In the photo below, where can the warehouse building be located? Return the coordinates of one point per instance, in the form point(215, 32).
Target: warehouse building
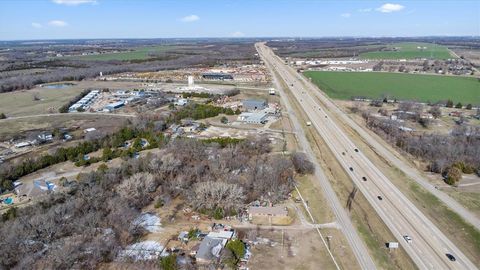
point(217, 76)
point(254, 104)
point(253, 117)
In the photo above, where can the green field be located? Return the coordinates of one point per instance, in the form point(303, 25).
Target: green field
point(433, 88)
point(137, 54)
point(410, 50)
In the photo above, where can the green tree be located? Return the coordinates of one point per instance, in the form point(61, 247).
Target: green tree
point(449, 103)
point(459, 105)
point(237, 248)
point(102, 168)
point(9, 214)
point(169, 262)
point(2, 116)
point(107, 154)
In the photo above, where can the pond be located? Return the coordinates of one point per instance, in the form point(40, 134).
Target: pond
point(57, 85)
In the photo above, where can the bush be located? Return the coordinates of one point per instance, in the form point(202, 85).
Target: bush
point(224, 120)
point(459, 105)
point(218, 213)
point(469, 106)
point(453, 176)
point(169, 262)
point(2, 116)
point(302, 164)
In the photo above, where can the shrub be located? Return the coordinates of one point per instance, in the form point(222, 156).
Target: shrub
point(453, 176)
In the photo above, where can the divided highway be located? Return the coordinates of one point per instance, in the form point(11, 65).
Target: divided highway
point(358, 247)
point(429, 246)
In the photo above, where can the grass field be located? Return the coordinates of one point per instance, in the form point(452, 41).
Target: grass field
point(345, 85)
point(20, 103)
point(138, 54)
point(410, 50)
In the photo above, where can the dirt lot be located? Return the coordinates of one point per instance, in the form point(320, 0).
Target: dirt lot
point(12, 127)
point(290, 250)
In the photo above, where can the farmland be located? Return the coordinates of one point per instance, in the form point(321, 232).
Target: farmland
point(410, 50)
point(433, 88)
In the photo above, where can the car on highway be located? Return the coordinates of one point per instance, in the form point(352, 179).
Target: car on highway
point(364, 178)
point(407, 238)
point(351, 169)
point(356, 150)
point(451, 257)
point(379, 197)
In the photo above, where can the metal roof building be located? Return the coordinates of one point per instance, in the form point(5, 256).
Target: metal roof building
point(254, 104)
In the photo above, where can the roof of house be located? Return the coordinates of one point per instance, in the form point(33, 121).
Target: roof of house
point(221, 234)
point(210, 248)
point(269, 210)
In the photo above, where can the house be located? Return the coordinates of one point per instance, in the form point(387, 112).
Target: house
point(209, 249)
point(222, 234)
point(254, 104)
point(268, 211)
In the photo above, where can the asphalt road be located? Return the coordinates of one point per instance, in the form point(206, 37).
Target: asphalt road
point(429, 245)
point(343, 220)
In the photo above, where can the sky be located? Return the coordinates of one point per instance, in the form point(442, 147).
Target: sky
point(77, 19)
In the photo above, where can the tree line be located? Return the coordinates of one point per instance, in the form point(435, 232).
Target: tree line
point(12, 172)
point(443, 152)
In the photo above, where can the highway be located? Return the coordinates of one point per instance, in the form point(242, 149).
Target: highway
point(358, 247)
point(429, 245)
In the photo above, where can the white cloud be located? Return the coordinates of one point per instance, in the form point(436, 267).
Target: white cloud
point(388, 8)
point(190, 18)
point(74, 2)
point(364, 10)
point(57, 23)
point(237, 34)
point(36, 25)
point(346, 15)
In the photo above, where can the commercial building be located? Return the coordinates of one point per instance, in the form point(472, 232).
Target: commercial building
point(253, 117)
point(113, 106)
point(217, 76)
point(254, 104)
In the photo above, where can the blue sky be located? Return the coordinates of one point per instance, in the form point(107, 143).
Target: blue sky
point(66, 19)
